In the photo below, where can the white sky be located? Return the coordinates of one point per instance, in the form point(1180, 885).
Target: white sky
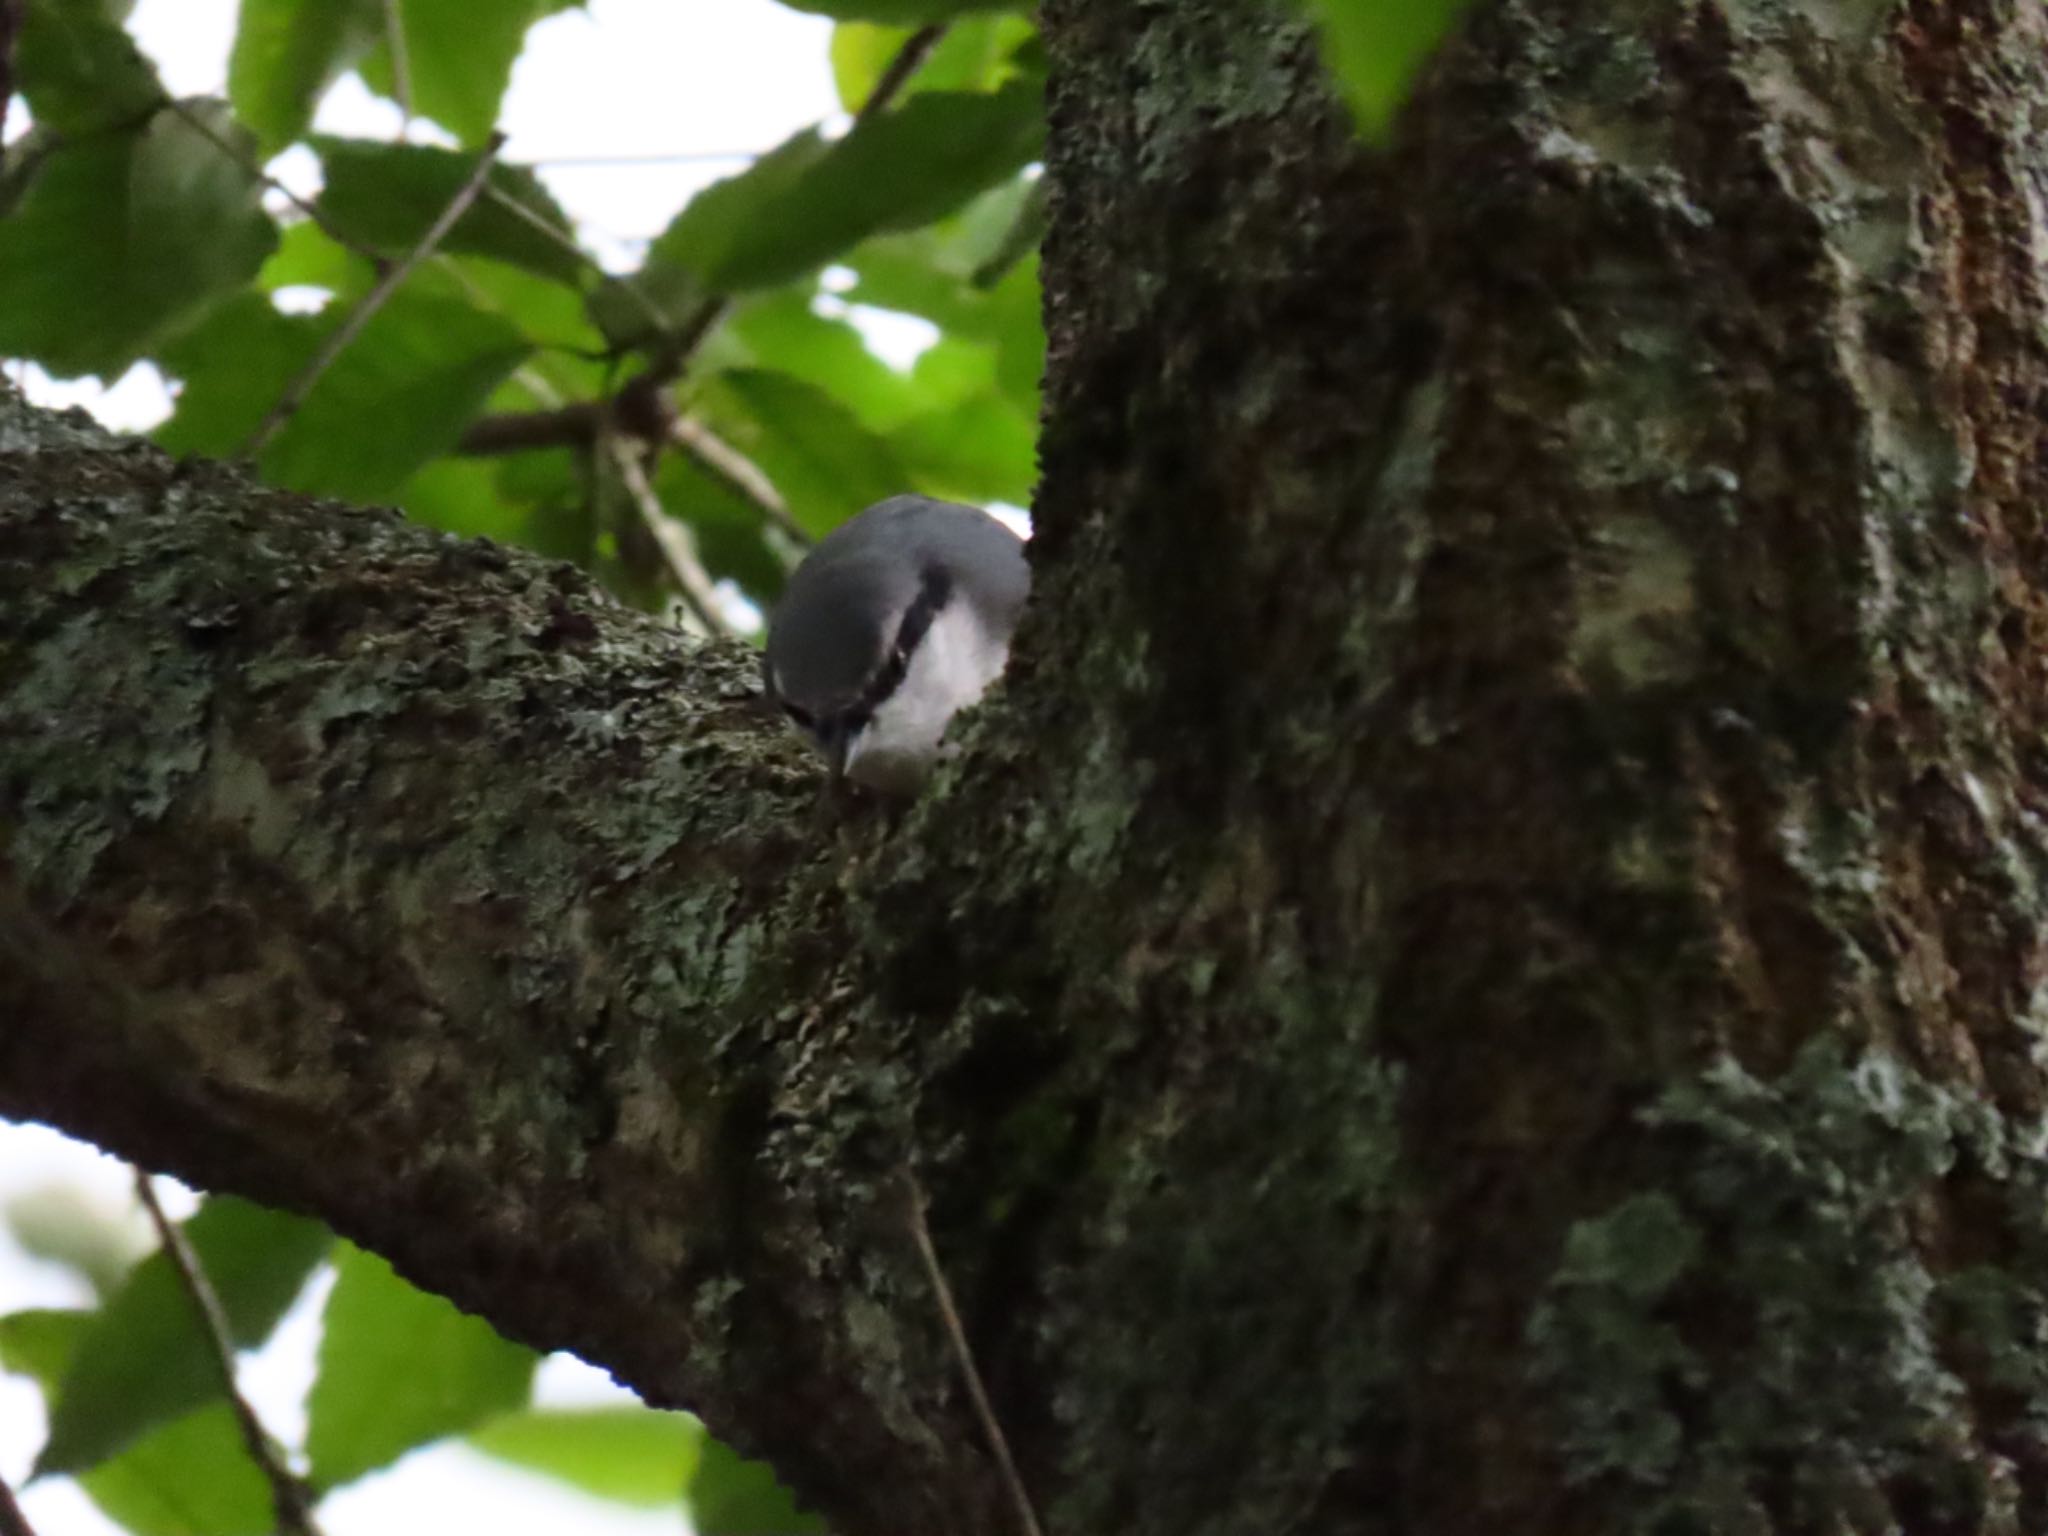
point(621, 78)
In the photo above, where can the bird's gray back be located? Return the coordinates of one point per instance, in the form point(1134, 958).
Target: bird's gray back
point(837, 618)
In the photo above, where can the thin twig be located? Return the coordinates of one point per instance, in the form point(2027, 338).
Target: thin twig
point(353, 322)
point(287, 1494)
point(401, 66)
point(718, 457)
point(250, 164)
point(678, 548)
point(12, 1521)
point(1027, 1518)
point(667, 365)
point(908, 61)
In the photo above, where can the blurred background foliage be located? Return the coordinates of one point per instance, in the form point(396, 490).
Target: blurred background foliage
point(682, 427)
point(491, 392)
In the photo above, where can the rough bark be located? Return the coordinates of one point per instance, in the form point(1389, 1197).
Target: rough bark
point(1484, 971)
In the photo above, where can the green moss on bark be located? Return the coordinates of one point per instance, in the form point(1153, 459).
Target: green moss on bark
point(1768, 1342)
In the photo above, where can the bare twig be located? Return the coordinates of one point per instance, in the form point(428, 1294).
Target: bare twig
point(718, 457)
point(293, 1513)
point(583, 424)
point(908, 61)
point(678, 548)
point(401, 66)
point(667, 364)
point(569, 426)
point(1027, 1518)
point(250, 164)
point(360, 315)
point(12, 1521)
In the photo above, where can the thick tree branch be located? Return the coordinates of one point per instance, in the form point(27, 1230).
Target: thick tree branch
point(251, 745)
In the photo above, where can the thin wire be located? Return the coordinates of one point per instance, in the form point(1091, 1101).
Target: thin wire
point(678, 157)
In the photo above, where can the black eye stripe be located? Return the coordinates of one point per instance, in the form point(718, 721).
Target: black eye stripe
point(932, 592)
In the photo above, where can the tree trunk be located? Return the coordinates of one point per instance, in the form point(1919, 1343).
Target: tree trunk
point(1484, 972)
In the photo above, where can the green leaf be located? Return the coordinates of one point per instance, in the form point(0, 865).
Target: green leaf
point(700, 241)
point(635, 1456)
point(656, 299)
point(398, 395)
point(398, 1368)
point(510, 500)
point(730, 530)
point(1375, 47)
point(900, 13)
point(976, 54)
point(548, 313)
point(190, 1477)
point(459, 56)
point(807, 201)
point(931, 275)
point(781, 331)
point(307, 256)
point(386, 196)
point(982, 449)
point(40, 1343)
point(825, 463)
point(286, 54)
point(79, 68)
point(731, 1496)
point(146, 1358)
point(119, 239)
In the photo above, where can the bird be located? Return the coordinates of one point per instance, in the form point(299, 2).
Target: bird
point(896, 621)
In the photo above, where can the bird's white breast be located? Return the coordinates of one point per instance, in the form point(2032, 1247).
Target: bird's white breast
point(951, 668)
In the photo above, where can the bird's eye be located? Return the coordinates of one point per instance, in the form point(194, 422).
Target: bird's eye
point(798, 715)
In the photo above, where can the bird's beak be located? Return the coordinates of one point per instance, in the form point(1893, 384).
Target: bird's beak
point(835, 738)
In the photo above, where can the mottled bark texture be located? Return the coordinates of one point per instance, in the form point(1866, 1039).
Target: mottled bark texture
point(1484, 972)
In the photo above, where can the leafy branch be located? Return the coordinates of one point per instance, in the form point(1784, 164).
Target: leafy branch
point(360, 314)
point(288, 1495)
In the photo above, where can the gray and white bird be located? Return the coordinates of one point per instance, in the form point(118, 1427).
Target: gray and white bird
point(900, 618)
